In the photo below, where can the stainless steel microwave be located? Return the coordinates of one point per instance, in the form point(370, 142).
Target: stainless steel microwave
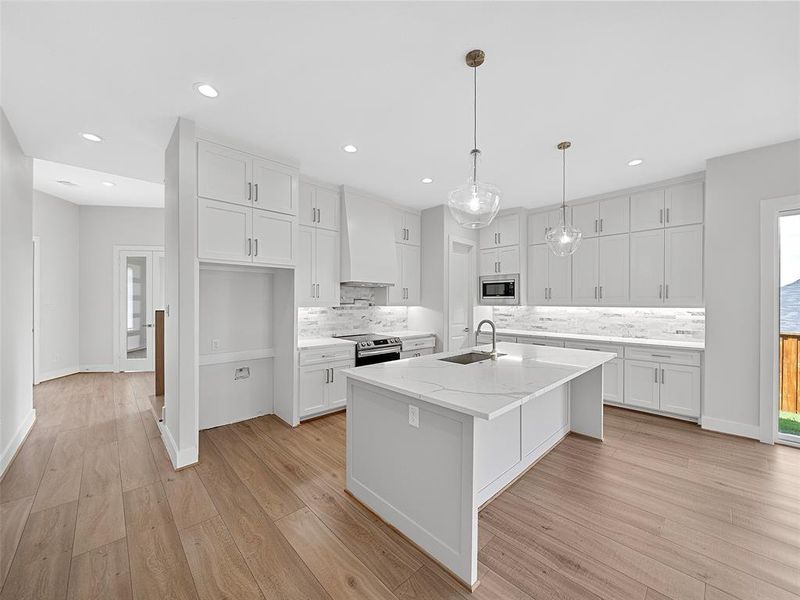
point(499, 289)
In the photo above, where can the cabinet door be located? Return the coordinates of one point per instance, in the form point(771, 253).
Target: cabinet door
point(411, 274)
point(680, 389)
point(273, 238)
point(647, 267)
point(311, 389)
point(488, 262)
point(508, 259)
point(306, 208)
point(647, 210)
point(684, 204)
point(615, 215)
point(642, 383)
point(223, 174)
point(224, 231)
point(559, 275)
point(538, 224)
point(537, 273)
point(613, 377)
point(304, 275)
point(327, 267)
point(683, 266)
point(487, 236)
point(399, 225)
point(412, 225)
point(613, 269)
point(584, 273)
point(507, 228)
point(274, 187)
point(397, 292)
point(585, 217)
point(328, 205)
point(337, 388)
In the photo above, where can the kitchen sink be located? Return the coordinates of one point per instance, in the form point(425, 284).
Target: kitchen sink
point(469, 357)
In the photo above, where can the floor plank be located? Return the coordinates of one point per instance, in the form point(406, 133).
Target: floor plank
point(101, 520)
point(13, 516)
point(102, 574)
point(61, 481)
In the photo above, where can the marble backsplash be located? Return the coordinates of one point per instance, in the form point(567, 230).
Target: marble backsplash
point(357, 314)
point(654, 323)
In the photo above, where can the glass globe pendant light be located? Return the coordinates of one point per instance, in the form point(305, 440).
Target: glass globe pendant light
point(474, 204)
point(563, 239)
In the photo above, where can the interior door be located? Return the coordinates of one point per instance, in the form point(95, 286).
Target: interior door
point(461, 294)
point(136, 311)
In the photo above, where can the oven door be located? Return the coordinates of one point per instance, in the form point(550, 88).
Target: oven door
point(377, 355)
point(499, 289)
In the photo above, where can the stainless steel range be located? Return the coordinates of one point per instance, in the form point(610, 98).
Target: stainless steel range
point(372, 348)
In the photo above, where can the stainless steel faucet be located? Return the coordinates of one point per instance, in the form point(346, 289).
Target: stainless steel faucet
point(494, 336)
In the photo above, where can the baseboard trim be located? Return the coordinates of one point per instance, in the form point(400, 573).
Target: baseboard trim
point(10, 451)
point(107, 368)
point(58, 373)
point(180, 458)
point(731, 427)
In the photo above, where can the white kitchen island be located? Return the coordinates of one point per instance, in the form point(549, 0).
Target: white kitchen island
point(429, 442)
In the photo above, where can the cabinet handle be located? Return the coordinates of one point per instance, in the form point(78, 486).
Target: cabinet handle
point(499, 238)
point(667, 215)
point(256, 244)
point(661, 215)
point(317, 290)
point(666, 292)
point(595, 225)
point(662, 375)
point(601, 225)
point(595, 292)
point(313, 292)
point(319, 215)
point(333, 375)
point(255, 197)
point(249, 246)
point(327, 375)
point(601, 292)
point(656, 372)
point(313, 215)
point(661, 355)
point(249, 190)
point(660, 288)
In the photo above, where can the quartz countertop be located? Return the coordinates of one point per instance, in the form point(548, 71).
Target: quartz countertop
point(484, 389)
point(408, 334)
point(322, 342)
point(609, 339)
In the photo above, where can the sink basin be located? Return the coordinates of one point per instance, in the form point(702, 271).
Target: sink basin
point(469, 357)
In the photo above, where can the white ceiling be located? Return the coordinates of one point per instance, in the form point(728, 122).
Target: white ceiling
point(89, 188)
point(673, 83)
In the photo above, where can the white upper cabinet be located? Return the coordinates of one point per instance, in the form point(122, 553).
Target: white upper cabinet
point(317, 272)
point(683, 204)
point(319, 206)
point(503, 231)
point(586, 217)
point(613, 270)
point(273, 238)
point(224, 174)
point(683, 266)
point(647, 267)
point(549, 276)
point(614, 216)
point(304, 274)
point(539, 223)
point(585, 272)
point(406, 290)
point(499, 260)
point(647, 210)
point(406, 227)
point(537, 274)
point(274, 187)
point(224, 231)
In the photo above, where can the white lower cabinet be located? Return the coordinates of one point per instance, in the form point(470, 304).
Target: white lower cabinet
point(641, 384)
point(534, 341)
point(416, 353)
point(322, 387)
point(663, 386)
point(613, 370)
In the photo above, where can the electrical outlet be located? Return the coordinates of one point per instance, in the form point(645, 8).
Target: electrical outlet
point(413, 415)
point(215, 344)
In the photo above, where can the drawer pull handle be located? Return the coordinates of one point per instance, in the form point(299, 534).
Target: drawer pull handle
point(661, 355)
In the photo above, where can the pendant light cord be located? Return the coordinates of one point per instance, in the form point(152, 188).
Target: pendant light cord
point(564, 185)
point(474, 123)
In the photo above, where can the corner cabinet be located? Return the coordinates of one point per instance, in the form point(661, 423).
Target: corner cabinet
point(246, 207)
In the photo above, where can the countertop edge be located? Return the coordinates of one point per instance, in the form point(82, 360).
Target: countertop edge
point(698, 346)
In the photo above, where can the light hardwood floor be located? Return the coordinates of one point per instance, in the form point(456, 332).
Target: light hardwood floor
point(91, 509)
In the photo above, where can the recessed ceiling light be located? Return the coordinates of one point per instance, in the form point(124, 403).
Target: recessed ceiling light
point(92, 137)
point(427, 180)
point(109, 183)
point(67, 183)
point(206, 89)
point(635, 162)
point(350, 148)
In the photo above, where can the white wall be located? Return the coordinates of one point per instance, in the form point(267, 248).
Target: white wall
point(101, 228)
point(56, 224)
point(16, 294)
point(735, 186)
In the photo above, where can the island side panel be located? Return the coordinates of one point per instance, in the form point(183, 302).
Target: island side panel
point(417, 479)
point(586, 403)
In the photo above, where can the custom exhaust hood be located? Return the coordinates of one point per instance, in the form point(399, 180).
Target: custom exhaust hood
point(369, 258)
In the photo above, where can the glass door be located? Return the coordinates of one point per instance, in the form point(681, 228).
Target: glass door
point(789, 314)
point(141, 294)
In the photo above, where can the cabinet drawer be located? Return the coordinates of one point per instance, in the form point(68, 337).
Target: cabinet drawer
point(416, 344)
point(326, 355)
point(416, 353)
point(537, 341)
point(664, 355)
point(486, 338)
point(617, 349)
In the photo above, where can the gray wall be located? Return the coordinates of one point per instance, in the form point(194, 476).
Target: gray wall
point(16, 293)
point(56, 224)
point(735, 186)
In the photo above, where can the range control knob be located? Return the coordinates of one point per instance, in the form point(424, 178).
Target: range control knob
point(363, 344)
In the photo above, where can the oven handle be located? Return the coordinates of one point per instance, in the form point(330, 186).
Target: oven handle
point(377, 351)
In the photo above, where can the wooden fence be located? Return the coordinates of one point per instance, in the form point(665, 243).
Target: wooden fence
point(790, 372)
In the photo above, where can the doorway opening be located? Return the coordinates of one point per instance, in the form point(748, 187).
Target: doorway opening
point(789, 326)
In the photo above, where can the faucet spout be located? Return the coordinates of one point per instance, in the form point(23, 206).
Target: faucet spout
point(494, 336)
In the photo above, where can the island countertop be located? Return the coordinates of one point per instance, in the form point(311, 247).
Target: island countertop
point(485, 389)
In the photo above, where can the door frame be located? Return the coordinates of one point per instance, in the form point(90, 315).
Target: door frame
point(37, 307)
point(771, 210)
point(116, 316)
point(472, 261)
